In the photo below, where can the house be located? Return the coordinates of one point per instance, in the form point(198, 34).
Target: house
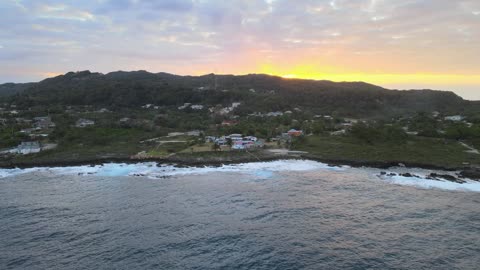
point(235, 137)
point(229, 123)
point(274, 114)
point(175, 134)
point(21, 120)
point(210, 138)
point(243, 144)
point(103, 110)
point(27, 130)
point(221, 141)
point(250, 138)
point(454, 118)
point(295, 133)
point(3, 121)
point(26, 148)
point(195, 133)
point(43, 122)
point(81, 123)
point(197, 107)
point(238, 146)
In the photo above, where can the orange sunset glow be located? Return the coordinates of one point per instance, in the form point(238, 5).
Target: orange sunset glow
point(394, 44)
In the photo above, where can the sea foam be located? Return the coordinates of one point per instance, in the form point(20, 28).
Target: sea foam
point(150, 169)
point(261, 170)
point(421, 181)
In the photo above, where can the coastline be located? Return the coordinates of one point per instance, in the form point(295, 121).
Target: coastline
point(211, 160)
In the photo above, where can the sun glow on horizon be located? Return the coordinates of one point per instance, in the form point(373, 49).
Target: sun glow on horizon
point(312, 73)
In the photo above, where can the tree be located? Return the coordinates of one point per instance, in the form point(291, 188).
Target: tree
point(215, 147)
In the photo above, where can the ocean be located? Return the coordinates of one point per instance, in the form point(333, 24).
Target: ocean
point(273, 215)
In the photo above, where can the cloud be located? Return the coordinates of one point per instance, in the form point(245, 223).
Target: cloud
point(350, 36)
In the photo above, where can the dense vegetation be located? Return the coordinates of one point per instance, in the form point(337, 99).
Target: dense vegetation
point(257, 93)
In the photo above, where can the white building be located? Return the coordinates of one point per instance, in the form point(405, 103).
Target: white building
point(26, 148)
point(454, 118)
point(197, 107)
point(81, 123)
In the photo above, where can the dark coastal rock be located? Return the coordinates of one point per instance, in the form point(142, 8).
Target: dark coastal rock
point(448, 177)
point(473, 174)
point(392, 174)
point(383, 173)
point(443, 176)
point(407, 175)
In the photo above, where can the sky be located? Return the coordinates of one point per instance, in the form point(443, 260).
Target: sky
point(405, 44)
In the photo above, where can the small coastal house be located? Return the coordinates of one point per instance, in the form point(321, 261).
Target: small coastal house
point(274, 114)
point(26, 148)
point(27, 130)
point(454, 118)
point(229, 123)
point(197, 107)
point(81, 123)
point(103, 110)
point(210, 138)
point(221, 141)
point(250, 138)
point(175, 134)
point(235, 137)
point(295, 133)
point(195, 133)
point(238, 146)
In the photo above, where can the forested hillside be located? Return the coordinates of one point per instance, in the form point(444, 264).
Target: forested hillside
point(256, 92)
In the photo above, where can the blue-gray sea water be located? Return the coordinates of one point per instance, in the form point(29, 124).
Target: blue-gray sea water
point(250, 218)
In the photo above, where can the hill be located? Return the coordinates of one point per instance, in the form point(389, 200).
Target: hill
point(256, 92)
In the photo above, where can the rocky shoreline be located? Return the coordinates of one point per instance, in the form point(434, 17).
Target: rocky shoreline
point(213, 160)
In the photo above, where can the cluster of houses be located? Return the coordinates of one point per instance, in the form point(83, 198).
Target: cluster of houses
point(191, 106)
point(38, 128)
point(274, 114)
point(224, 110)
point(237, 141)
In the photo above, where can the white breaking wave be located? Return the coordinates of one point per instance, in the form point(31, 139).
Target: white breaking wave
point(260, 170)
point(150, 169)
point(422, 182)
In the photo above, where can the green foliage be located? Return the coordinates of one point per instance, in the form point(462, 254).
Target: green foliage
point(458, 131)
point(433, 151)
point(371, 133)
point(118, 90)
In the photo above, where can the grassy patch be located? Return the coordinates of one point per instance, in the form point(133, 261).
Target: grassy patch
point(416, 150)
